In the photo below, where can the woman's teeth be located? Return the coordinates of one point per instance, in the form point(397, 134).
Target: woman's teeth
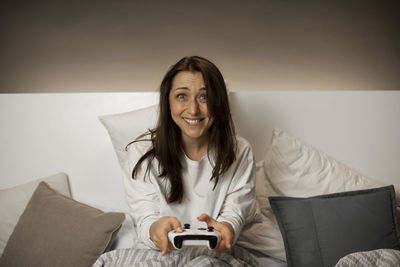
point(192, 121)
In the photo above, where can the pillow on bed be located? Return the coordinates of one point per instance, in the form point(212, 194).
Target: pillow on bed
point(296, 169)
point(126, 236)
point(398, 213)
point(318, 231)
point(123, 128)
point(14, 200)
point(55, 229)
point(293, 168)
point(263, 235)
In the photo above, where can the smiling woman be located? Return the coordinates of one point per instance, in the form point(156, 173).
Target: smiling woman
point(192, 168)
point(188, 104)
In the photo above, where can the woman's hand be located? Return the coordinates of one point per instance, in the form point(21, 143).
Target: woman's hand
point(159, 232)
point(226, 230)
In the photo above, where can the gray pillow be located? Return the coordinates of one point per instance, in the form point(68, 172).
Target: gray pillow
point(318, 231)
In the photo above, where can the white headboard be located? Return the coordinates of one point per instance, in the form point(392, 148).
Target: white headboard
point(42, 134)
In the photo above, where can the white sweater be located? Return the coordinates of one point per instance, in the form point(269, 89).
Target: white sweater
point(230, 201)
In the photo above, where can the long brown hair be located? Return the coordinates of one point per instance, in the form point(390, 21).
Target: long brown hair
point(166, 137)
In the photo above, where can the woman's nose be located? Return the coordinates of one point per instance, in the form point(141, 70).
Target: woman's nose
point(193, 107)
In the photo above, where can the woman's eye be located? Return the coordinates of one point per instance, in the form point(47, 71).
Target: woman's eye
point(180, 96)
point(203, 97)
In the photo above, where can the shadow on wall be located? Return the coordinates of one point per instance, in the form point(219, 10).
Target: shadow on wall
point(102, 46)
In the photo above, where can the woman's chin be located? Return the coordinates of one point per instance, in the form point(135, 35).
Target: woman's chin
point(194, 135)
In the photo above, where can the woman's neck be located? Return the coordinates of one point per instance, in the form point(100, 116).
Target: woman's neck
point(195, 149)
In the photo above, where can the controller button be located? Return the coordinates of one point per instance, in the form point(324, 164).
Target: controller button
point(210, 229)
point(186, 226)
point(201, 228)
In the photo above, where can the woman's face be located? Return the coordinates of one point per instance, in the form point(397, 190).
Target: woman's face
point(188, 105)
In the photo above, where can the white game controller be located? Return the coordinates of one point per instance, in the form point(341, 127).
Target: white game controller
point(195, 237)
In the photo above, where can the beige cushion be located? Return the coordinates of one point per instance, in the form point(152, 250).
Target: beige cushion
point(296, 169)
point(14, 200)
point(55, 230)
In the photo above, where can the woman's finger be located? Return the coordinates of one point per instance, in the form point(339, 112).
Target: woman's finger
point(221, 247)
point(176, 225)
point(164, 245)
point(228, 238)
point(210, 221)
point(227, 233)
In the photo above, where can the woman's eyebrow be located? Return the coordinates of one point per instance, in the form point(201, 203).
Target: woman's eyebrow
point(186, 88)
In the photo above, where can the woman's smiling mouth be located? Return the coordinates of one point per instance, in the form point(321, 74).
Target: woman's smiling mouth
point(192, 122)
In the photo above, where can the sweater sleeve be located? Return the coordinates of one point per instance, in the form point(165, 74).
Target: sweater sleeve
point(141, 194)
point(241, 192)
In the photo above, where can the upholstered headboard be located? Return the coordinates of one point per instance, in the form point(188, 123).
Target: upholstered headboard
point(42, 134)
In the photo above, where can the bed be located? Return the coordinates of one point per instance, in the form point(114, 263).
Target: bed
point(341, 140)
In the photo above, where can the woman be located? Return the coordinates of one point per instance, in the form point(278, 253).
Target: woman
point(192, 167)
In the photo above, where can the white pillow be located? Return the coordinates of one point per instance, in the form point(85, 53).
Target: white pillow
point(293, 168)
point(296, 169)
point(263, 235)
point(123, 128)
point(14, 200)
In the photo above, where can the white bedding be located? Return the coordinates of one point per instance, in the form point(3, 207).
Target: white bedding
point(379, 257)
point(187, 256)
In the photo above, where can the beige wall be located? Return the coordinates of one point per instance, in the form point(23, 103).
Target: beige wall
point(101, 46)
